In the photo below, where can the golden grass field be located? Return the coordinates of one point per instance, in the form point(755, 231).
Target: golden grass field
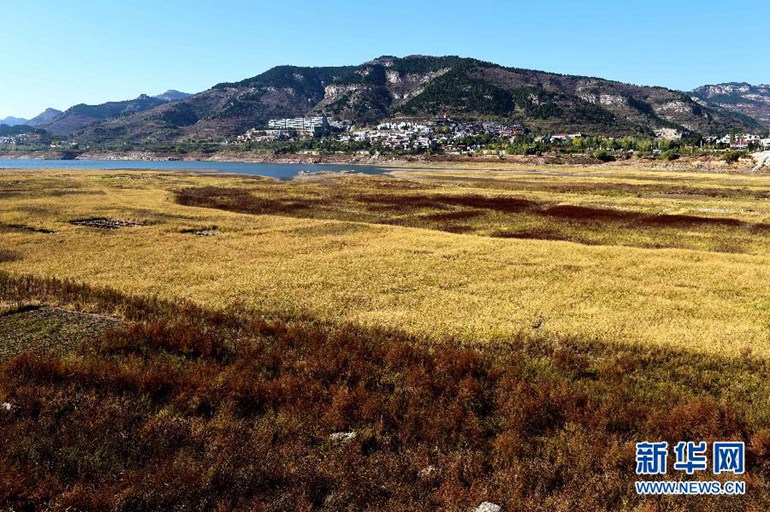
point(635, 263)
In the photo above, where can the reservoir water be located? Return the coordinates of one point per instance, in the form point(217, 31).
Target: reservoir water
point(280, 171)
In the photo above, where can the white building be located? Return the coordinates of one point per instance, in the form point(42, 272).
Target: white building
point(313, 126)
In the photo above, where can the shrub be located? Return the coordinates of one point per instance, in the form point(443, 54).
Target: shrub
point(732, 157)
point(603, 156)
point(670, 155)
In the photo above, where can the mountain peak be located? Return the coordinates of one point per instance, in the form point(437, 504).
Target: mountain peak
point(46, 116)
point(172, 95)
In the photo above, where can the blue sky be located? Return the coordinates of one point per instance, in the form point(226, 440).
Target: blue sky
point(60, 53)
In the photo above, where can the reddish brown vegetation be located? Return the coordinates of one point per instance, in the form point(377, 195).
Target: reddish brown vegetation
point(188, 409)
point(379, 204)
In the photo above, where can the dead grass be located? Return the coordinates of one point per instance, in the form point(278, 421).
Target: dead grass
point(480, 289)
point(186, 408)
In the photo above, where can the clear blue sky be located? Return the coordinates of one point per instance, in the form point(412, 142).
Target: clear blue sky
point(59, 53)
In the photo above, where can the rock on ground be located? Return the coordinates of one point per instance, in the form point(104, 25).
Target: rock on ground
point(342, 437)
point(762, 159)
point(488, 507)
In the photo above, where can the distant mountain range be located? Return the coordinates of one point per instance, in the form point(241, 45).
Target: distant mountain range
point(13, 121)
point(81, 116)
point(417, 87)
point(78, 117)
point(741, 98)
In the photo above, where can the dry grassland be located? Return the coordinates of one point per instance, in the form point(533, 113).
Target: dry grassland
point(671, 259)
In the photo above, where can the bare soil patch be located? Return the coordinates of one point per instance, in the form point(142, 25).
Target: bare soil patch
point(104, 223)
point(209, 231)
point(25, 228)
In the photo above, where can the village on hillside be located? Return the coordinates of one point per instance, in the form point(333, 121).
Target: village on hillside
point(452, 136)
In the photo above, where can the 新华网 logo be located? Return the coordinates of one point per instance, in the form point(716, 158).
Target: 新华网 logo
point(727, 457)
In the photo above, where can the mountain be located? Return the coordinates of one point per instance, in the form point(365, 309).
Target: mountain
point(78, 117)
point(466, 88)
point(172, 95)
point(225, 110)
point(418, 86)
point(13, 121)
point(44, 117)
point(740, 98)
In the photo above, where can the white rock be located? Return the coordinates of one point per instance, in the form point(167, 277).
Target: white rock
point(488, 507)
point(762, 159)
point(342, 437)
point(5, 406)
point(427, 471)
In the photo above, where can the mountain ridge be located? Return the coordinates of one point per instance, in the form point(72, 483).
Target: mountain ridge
point(44, 117)
point(82, 115)
point(415, 86)
point(739, 98)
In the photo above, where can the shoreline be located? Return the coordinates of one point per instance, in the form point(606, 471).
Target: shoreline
point(421, 162)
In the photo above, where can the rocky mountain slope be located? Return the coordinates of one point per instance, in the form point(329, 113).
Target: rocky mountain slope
point(225, 110)
point(77, 117)
point(741, 98)
point(81, 116)
point(416, 86)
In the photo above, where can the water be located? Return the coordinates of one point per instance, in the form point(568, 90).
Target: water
point(280, 171)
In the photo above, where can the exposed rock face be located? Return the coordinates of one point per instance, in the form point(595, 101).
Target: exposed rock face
point(611, 99)
point(668, 133)
point(763, 161)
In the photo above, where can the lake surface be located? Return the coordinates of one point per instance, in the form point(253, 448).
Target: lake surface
point(280, 171)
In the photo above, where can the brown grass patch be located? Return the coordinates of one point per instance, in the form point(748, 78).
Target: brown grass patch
point(187, 408)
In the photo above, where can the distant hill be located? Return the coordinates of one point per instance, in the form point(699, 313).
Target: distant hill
point(225, 110)
point(738, 97)
point(418, 86)
point(48, 115)
point(80, 116)
point(13, 121)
